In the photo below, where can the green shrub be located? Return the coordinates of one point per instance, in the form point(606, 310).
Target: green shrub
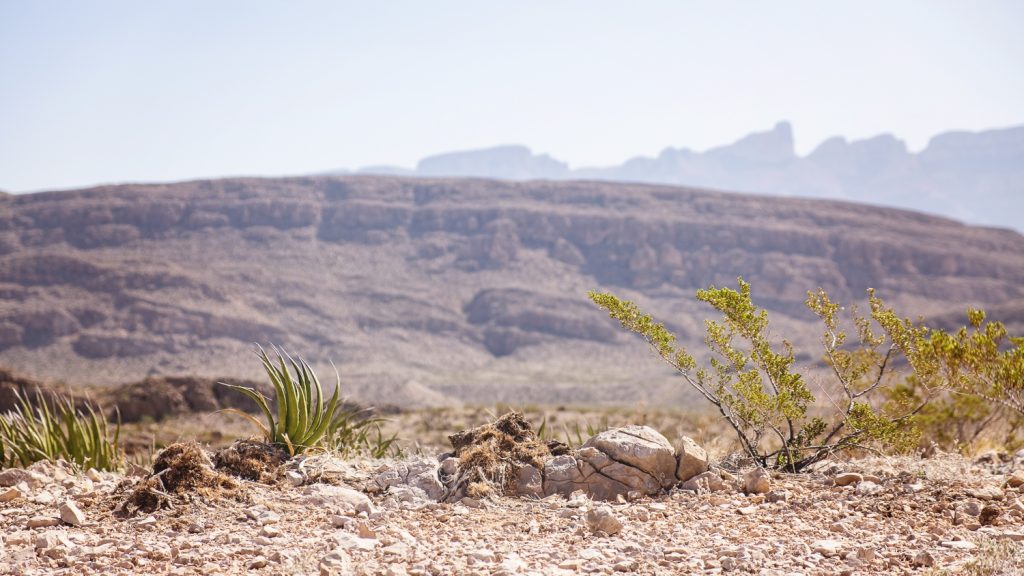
point(975, 376)
point(753, 386)
point(303, 418)
point(52, 429)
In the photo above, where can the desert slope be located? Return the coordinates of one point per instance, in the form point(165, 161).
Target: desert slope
point(437, 291)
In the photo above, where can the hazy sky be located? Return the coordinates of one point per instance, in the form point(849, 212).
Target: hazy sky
point(97, 91)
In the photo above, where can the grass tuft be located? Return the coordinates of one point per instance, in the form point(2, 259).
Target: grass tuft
point(53, 429)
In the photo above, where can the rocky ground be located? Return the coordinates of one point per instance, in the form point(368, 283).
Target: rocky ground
point(943, 514)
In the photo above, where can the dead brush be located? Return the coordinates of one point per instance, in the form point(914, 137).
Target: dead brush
point(180, 471)
point(491, 455)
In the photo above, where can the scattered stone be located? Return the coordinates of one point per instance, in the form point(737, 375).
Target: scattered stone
point(923, 558)
point(11, 494)
point(270, 531)
point(601, 519)
point(777, 495)
point(827, 548)
point(42, 521)
point(482, 555)
point(341, 496)
point(709, 481)
point(1016, 479)
point(868, 488)
point(628, 565)
point(294, 478)
point(70, 514)
point(958, 545)
point(15, 476)
point(847, 478)
point(757, 481)
point(692, 458)
point(986, 493)
point(989, 514)
point(258, 562)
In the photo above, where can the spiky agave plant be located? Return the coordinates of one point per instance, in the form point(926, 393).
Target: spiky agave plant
point(52, 429)
point(303, 418)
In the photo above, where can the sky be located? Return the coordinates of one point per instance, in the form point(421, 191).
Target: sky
point(118, 91)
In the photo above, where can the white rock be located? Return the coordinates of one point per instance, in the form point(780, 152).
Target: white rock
point(482, 555)
point(270, 531)
point(94, 475)
point(827, 548)
point(640, 447)
point(868, 488)
point(337, 561)
point(349, 541)
point(343, 496)
point(958, 545)
point(258, 562)
point(601, 519)
point(70, 513)
point(294, 478)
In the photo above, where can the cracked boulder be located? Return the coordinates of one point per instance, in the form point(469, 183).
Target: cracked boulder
point(615, 462)
point(420, 473)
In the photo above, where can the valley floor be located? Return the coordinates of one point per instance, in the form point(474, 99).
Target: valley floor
point(939, 515)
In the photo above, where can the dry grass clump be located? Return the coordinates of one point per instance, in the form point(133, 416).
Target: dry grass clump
point(491, 455)
point(181, 469)
point(252, 460)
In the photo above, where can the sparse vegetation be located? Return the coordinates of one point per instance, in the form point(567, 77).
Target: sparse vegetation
point(753, 386)
point(302, 416)
point(358, 431)
point(52, 428)
point(978, 372)
point(305, 418)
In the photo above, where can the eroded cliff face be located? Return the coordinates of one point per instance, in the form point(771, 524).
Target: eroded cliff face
point(428, 291)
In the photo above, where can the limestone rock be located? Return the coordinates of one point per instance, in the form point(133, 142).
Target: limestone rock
point(847, 478)
point(529, 482)
point(42, 521)
point(708, 481)
point(692, 459)
point(419, 473)
point(601, 519)
point(15, 476)
point(757, 481)
point(11, 494)
point(326, 494)
point(70, 514)
point(827, 548)
point(639, 447)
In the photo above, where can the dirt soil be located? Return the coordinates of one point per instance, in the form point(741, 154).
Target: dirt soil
point(923, 516)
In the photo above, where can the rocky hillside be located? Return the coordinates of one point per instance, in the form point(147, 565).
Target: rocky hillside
point(436, 291)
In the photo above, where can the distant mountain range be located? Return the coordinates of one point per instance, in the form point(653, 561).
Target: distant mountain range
point(976, 177)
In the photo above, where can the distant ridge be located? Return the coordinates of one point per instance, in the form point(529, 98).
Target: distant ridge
point(434, 291)
point(976, 177)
